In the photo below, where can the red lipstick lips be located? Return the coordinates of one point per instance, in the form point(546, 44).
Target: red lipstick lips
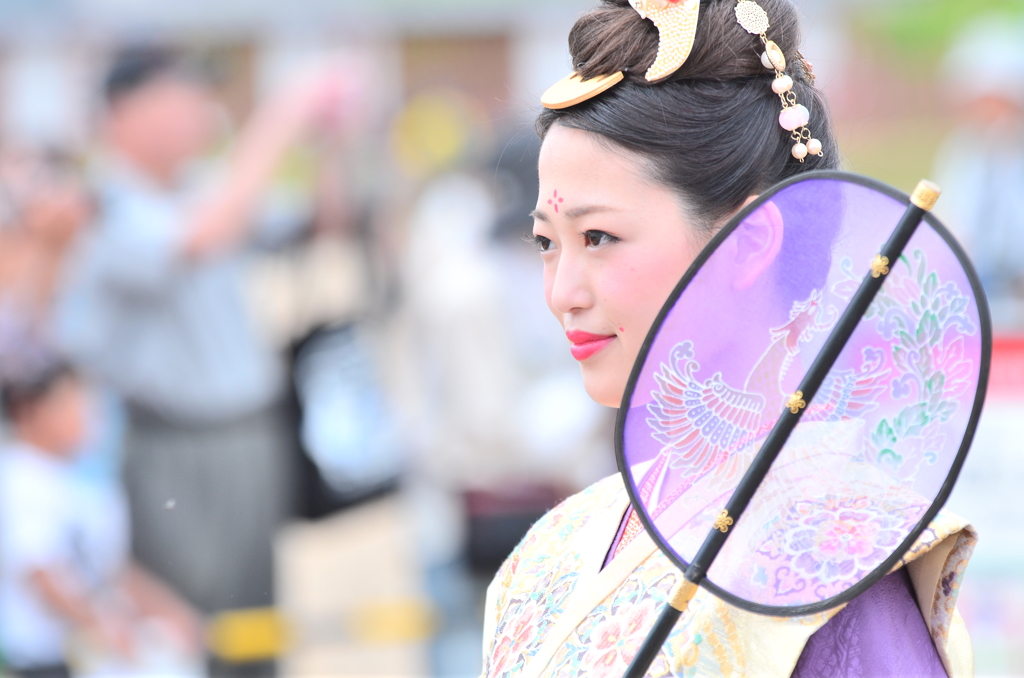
point(586, 345)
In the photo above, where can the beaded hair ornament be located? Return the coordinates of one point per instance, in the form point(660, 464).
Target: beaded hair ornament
point(676, 21)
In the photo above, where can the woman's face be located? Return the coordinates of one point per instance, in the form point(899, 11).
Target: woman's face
point(614, 245)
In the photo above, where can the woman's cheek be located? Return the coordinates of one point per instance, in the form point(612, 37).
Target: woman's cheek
point(550, 269)
point(641, 296)
point(628, 299)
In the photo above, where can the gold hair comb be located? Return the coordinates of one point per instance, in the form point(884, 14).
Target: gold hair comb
point(677, 27)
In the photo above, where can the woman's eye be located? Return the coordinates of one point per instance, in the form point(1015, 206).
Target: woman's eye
point(541, 243)
point(598, 238)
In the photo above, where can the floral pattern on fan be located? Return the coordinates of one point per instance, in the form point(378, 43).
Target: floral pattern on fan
point(926, 320)
point(828, 541)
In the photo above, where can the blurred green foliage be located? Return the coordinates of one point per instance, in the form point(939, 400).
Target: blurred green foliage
point(920, 31)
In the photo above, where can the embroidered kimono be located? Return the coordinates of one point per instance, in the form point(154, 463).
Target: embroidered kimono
point(553, 611)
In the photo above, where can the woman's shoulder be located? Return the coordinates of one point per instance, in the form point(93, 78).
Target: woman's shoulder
point(607, 491)
point(937, 563)
point(947, 542)
point(576, 512)
point(551, 539)
point(541, 574)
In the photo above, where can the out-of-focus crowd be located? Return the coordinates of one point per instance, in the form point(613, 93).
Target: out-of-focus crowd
point(135, 388)
point(194, 353)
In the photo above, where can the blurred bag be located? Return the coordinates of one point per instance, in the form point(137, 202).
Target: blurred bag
point(347, 432)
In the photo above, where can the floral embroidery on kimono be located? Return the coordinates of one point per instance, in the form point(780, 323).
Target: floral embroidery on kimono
point(535, 626)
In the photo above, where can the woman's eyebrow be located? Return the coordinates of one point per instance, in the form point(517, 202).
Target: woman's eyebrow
point(574, 212)
point(585, 210)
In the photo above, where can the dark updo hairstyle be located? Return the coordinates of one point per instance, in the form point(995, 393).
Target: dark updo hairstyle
point(711, 130)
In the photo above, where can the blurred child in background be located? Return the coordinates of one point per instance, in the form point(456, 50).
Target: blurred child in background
point(69, 592)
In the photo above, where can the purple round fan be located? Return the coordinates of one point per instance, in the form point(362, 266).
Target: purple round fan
point(876, 450)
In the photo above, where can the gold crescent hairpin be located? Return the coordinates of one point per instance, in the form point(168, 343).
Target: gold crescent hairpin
point(677, 27)
point(572, 89)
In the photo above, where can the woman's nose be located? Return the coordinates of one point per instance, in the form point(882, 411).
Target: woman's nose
point(568, 285)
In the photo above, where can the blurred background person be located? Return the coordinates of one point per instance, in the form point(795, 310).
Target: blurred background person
point(157, 312)
point(981, 164)
point(69, 591)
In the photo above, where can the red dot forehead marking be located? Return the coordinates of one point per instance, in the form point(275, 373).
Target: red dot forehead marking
point(555, 200)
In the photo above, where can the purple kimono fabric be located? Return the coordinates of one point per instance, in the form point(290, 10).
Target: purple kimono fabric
point(880, 633)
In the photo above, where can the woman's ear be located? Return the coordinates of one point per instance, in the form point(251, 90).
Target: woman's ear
point(758, 241)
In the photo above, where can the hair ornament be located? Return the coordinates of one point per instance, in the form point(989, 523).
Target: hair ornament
point(676, 21)
point(572, 89)
point(808, 69)
point(794, 116)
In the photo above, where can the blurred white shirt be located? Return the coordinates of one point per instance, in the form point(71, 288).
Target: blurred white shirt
point(48, 517)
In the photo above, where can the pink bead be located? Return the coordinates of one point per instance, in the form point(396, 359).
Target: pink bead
point(794, 117)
